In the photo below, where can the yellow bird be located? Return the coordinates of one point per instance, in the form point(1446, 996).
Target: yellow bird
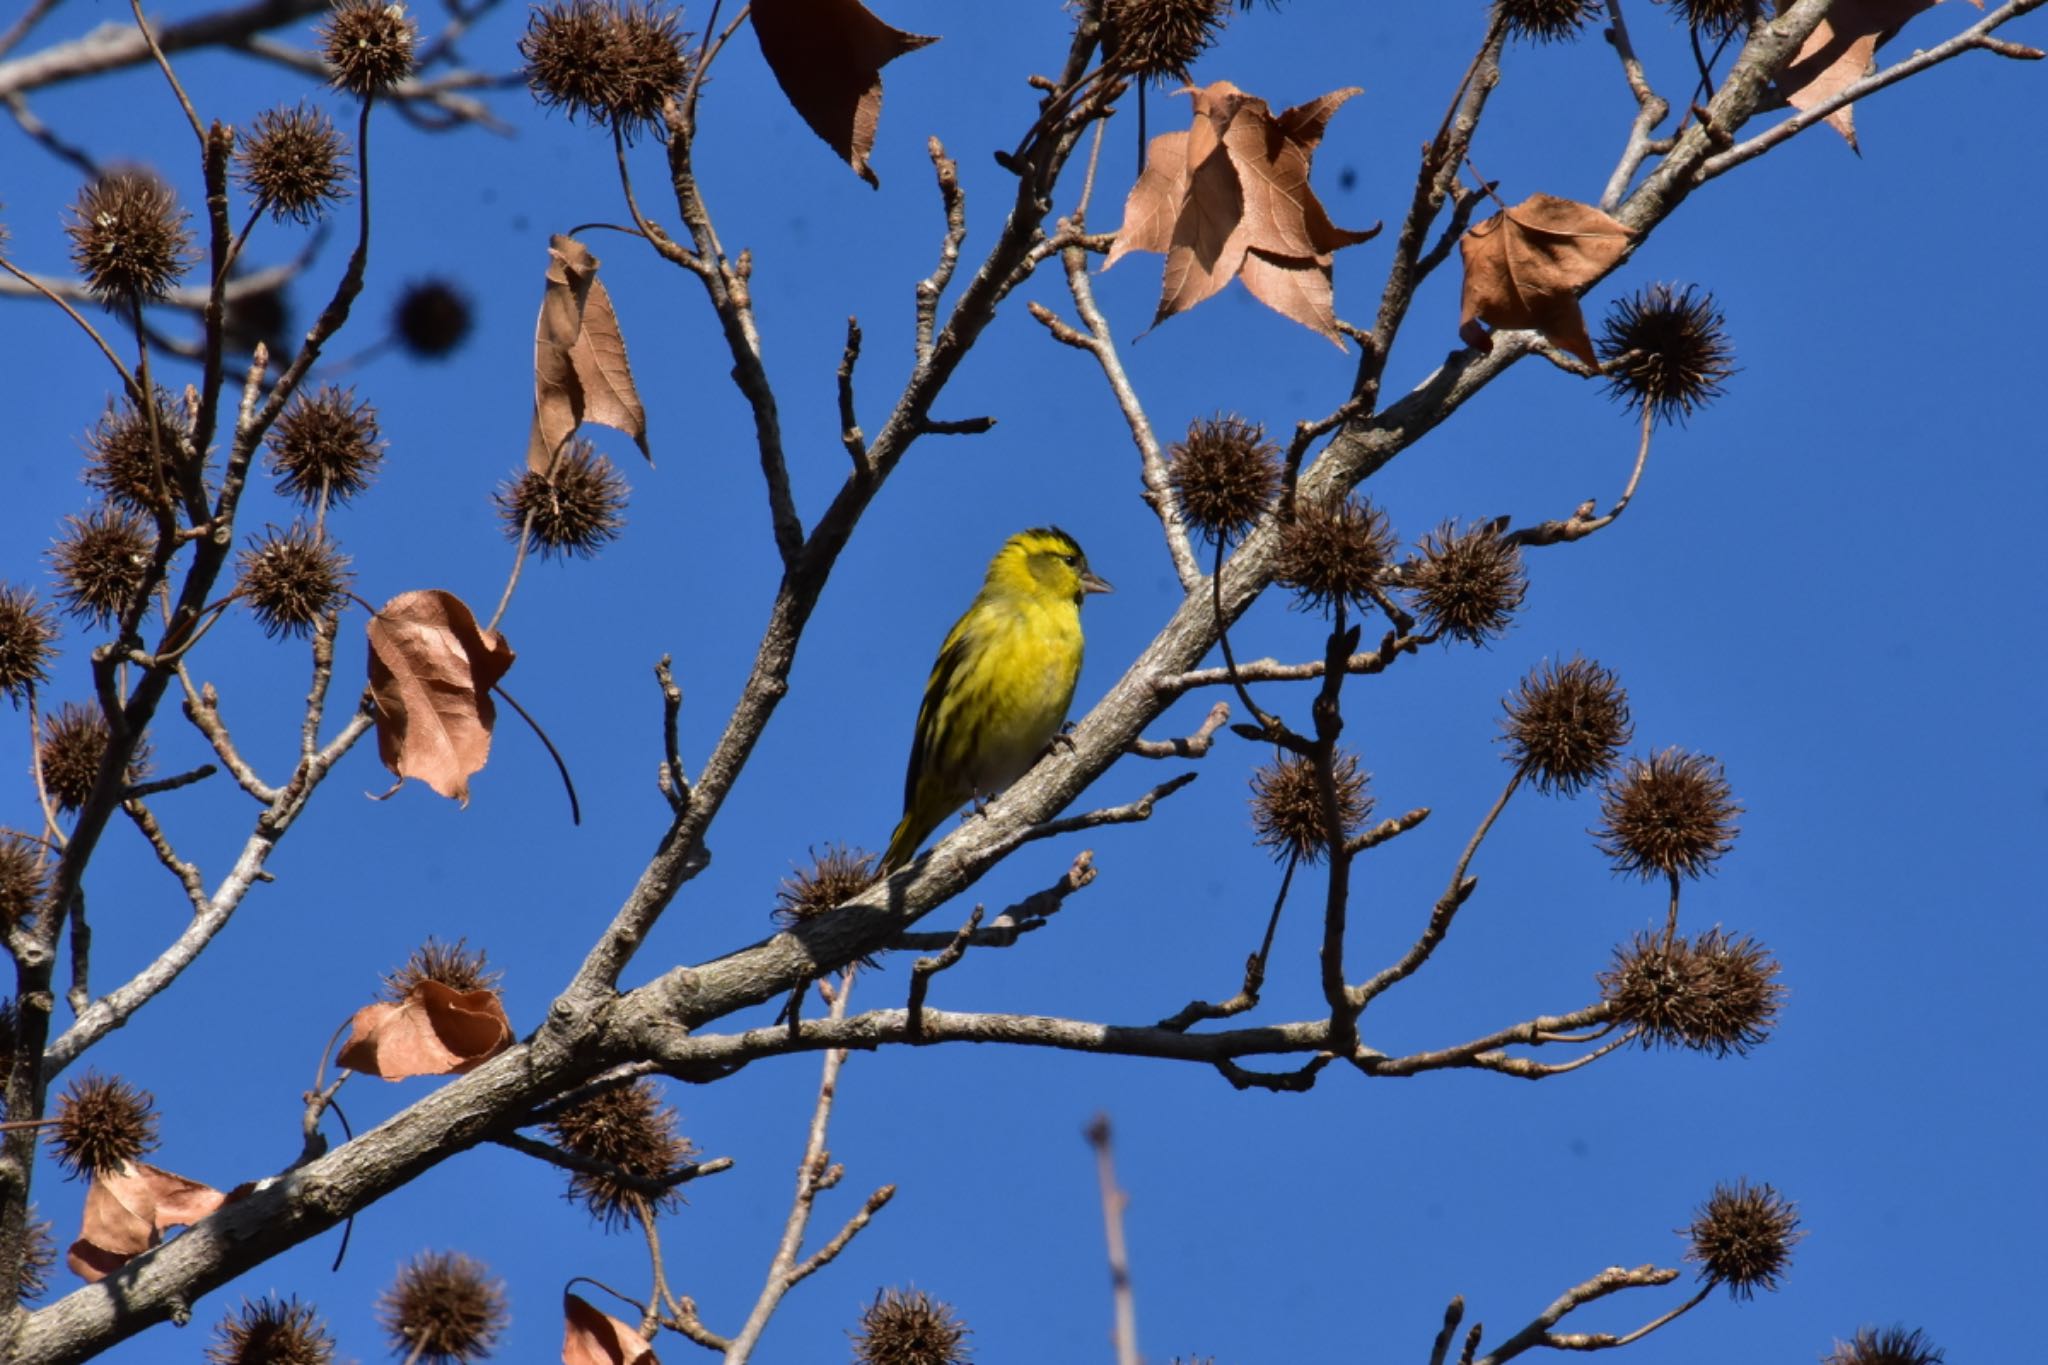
point(1000, 689)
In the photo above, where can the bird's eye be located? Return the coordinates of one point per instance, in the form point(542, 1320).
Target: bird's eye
point(1069, 559)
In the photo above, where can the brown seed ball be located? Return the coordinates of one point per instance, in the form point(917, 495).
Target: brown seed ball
point(617, 64)
point(1334, 551)
point(101, 561)
point(1743, 1237)
point(1670, 814)
point(368, 45)
point(27, 635)
point(1714, 994)
point(1224, 475)
point(136, 464)
point(294, 164)
point(432, 319)
point(1566, 725)
point(1468, 584)
point(1155, 39)
point(73, 746)
point(449, 964)
point(325, 446)
point(910, 1327)
point(1549, 21)
point(101, 1124)
point(1287, 805)
point(574, 514)
point(834, 877)
point(1718, 18)
point(443, 1307)
point(38, 1257)
point(630, 1129)
point(1683, 352)
point(24, 880)
point(128, 237)
point(1886, 1346)
point(291, 579)
point(271, 1331)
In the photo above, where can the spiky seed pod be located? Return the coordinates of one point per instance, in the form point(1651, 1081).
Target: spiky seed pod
point(616, 64)
point(27, 633)
point(368, 45)
point(834, 877)
point(1714, 994)
point(1224, 474)
point(1548, 21)
point(451, 964)
point(270, 1331)
point(1743, 1236)
point(326, 444)
point(132, 463)
point(1672, 813)
point(101, 561)
point(1468, 584)
point(574, 514)
point(1287, 805)
point(1886, 1346)
point(1333, 550)
point(1155, 39)
point(1718, 18)
point(73, 745)
point(628, 1128)
point(101, 1124)
point(38, 1257)
point(1683, 353)
point(294, 164)
point(24, 878)
point(128, 237)
point(1566, 725)
point(910, 1327)
point(443, 1307)
point(432, 319)
point(291, 579)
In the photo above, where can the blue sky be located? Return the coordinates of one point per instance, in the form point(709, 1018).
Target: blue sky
point(1828, 582)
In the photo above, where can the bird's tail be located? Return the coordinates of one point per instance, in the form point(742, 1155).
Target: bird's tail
point(918, 822)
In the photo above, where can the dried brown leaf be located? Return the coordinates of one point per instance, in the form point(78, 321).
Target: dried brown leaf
point(431, 672)
point(591, 1337)
point(580, 372)
point(828, 55)
point(1525, 265)
point(128, 1211)
point(1230, 197)
point(435, 1031)
point(1842, 51)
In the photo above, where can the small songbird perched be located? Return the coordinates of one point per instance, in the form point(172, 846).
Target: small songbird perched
point(1000, 689)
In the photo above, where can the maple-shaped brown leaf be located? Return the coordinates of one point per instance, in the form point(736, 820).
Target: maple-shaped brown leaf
point(1842, 50)
point(431, 672)
point(1525, 265)
point(828, 55)
point(1230, 197)
point(435, 1030)
point(129, 1210)
point(580, 372)
point(591, 1337)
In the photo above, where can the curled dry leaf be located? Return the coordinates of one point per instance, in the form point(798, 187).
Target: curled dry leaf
point(1842, 51)
point(828, 56)
point(1524, 268)
point(435, 1031)
point(431, 672)
point(590, 1337)
point(128, 1211)
point(580, 372)
point(1230, 197)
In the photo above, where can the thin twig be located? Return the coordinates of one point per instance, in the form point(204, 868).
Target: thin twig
point(1196, 745)
point(1114, 1201)
point(925, 968)
point(675, 783)
point(1584, 522)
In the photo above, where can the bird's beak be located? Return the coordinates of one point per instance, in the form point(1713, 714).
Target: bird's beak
point(1090, 582)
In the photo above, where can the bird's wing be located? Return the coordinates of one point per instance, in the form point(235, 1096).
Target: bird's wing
point(952, 658)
